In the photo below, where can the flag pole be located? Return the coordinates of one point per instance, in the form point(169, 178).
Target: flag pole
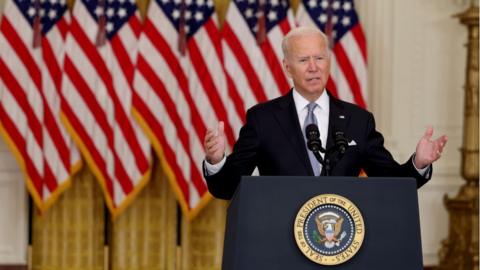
point(106, 239)
point(30, 234)
point(178, 253)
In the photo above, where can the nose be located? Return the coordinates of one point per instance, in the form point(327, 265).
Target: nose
point(312, 65)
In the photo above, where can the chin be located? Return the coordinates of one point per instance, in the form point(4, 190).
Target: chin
point(316, 91)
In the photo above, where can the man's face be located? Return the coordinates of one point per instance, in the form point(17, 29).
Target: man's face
point(308, 64)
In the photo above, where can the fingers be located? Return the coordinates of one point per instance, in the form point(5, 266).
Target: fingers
point(215, 149)
point(209, 144)
point(443, 140)
point(212, 143)
point(428, 150)
point(210, 134)
point(428, 133)
point(221, 128)
point(219, 131)
point(214, 140)
point(439, 144)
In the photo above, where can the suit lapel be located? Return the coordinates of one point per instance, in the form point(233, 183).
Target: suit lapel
point(337, 120)
point(286, 116)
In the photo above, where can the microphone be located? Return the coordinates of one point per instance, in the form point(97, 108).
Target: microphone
point(340, 141)
point(313, 138)
point(314, 143)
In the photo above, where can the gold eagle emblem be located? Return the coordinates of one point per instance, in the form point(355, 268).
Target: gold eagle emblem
point(329, 226)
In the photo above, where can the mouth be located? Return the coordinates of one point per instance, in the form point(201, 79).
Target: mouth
point(314, 79)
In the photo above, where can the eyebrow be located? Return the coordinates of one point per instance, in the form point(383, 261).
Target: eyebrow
point(308, 56)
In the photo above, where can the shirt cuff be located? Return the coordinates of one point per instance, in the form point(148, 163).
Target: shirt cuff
point(425, 172)
point(211, 169)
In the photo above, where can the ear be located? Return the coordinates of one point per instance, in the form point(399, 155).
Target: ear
point(286, 67)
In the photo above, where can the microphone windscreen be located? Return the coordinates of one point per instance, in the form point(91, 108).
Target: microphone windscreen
point(312, 132)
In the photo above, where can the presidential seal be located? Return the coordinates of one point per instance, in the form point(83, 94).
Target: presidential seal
point(329, 229)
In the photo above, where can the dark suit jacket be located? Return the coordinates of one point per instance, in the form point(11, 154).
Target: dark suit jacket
point(273, 141)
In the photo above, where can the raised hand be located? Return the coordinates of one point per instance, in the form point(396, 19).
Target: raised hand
point(214, 144)
point(429, 151)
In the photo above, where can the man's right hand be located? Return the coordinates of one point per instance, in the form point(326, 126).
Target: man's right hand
point(214, 144)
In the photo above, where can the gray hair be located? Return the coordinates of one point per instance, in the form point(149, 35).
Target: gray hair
point(300, 31)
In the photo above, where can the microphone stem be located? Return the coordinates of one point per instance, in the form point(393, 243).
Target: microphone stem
point(327, 166)
point(318, 157)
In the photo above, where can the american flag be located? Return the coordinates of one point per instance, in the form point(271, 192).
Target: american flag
point(32, 39)
point(96, 104)
point(180, 91)
point(339, 20)
point(252, 37)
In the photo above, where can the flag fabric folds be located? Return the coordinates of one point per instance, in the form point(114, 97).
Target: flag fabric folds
point(32, 39)
point(252, 37)
point(179, 92)
point(106, 82)
point(339, 20)
point(96, 105)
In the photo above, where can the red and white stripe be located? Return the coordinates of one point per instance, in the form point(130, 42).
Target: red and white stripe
point(61, 155)
point(29, 105)
point(255, 71)
point(96, 107)
point(348, 74)
point(178, 97)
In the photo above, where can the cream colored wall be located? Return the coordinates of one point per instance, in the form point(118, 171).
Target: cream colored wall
point(13, 206)
point(416, 61)
point(416, 64)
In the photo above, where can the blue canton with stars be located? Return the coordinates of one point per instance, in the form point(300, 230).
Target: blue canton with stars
point(275, 12)
point(343, 15)
point(117, 13)
point(197, 13)
point(51, 11)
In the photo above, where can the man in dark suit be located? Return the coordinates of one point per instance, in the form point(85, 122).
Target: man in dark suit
point(273, 137)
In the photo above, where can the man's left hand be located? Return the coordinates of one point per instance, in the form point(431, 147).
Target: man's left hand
point(429, 151)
